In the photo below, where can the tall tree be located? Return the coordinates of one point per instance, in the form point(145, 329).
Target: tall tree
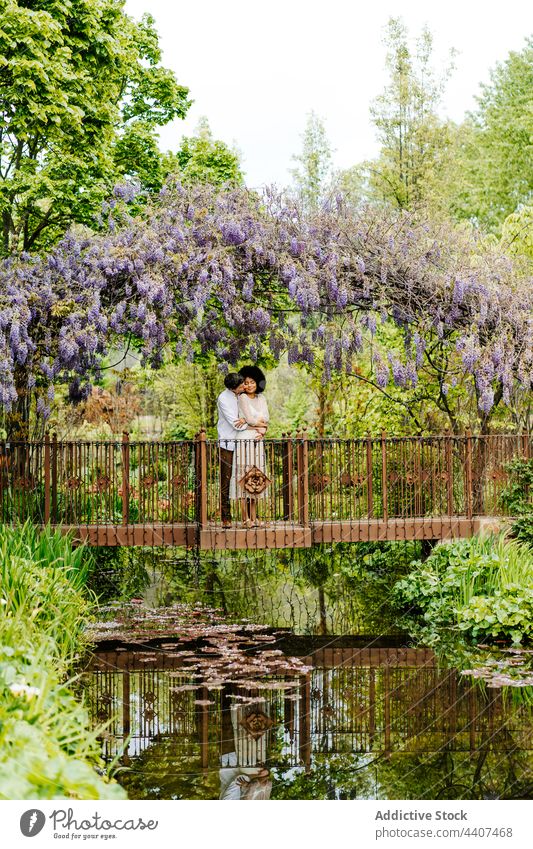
point(413, 138)
point(80, 85)
point(203, 159)
point(495, 151)
point(517, 232)
point(311, 175)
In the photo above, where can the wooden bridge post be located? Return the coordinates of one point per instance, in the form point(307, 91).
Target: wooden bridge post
point(200, 446)
point(47, 478)
point(287, 461)
point(302, 463)
point(54, 480)
point(369, 490)
point(384, 494)
point(125, 478)
point(468, 474)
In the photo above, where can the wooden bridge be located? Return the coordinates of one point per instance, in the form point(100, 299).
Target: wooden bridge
point(312, 490)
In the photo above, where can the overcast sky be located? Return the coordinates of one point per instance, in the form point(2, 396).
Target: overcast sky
point(256, 70)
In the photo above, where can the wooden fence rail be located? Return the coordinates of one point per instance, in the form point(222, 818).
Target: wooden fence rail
point(307, 490)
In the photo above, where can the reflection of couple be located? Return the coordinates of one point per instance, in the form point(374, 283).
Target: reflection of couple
point(242, 424)
point(243, 783)
point(244, 733)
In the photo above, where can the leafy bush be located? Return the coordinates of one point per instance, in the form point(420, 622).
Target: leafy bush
point(522, 529)
point(46, 748)
point(481, 588)
point(518, 498)
point(518, 494)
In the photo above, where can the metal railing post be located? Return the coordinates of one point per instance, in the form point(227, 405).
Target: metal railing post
point(200, 446)
point(369, 475)
point(287, 460)
point(468, 474)
point(125, 478)
point(302, 461)
point(449, 473)
point(384, 493)
point(47, 478)
point(53, 515)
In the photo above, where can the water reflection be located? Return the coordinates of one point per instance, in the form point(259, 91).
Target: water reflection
point(330, 589)
point(362, 721)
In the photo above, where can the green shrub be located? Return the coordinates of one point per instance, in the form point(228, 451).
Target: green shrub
point(481, 588)
point(47, 750)
point(517, 497)
point(518, 494)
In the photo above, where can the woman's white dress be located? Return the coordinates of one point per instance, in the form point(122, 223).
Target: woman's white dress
point(249, 452)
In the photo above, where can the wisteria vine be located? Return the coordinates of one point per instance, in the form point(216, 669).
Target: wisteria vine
point(234, 273)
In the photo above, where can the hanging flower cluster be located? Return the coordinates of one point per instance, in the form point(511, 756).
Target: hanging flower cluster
point(231, 272)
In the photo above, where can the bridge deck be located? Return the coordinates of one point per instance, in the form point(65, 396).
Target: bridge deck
point(285, 534)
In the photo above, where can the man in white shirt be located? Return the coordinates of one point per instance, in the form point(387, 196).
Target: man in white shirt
point(228, 424)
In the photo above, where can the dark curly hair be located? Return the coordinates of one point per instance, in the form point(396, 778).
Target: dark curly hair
point(256, 374)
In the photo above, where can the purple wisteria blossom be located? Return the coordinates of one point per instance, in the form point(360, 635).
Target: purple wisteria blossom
point(230, 271)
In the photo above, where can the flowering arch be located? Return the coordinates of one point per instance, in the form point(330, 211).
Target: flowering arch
point(232, 272)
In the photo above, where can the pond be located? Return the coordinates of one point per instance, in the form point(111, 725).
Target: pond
point(298, 699)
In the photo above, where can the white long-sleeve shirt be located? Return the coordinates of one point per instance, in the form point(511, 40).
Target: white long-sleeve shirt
point(228, 413)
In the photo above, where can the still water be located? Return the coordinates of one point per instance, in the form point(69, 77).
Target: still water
point(352, 722)
point(296, 684)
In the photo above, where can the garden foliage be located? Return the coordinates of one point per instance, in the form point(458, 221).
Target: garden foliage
point(47, 750)
point(517, 497)
point(480, 589)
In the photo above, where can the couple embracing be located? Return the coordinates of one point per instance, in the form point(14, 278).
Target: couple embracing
point(242, 424)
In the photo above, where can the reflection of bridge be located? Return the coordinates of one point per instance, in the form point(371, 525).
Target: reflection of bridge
point(314, 490)
point(355, 700)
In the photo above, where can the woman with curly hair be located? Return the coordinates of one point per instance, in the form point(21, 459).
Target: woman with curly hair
point(249, 448)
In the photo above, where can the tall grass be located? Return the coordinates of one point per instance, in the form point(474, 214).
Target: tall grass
point(42, 584)
point(47, 749)
point(494, 564)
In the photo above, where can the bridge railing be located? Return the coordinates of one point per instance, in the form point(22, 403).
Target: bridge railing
point(296, 480)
